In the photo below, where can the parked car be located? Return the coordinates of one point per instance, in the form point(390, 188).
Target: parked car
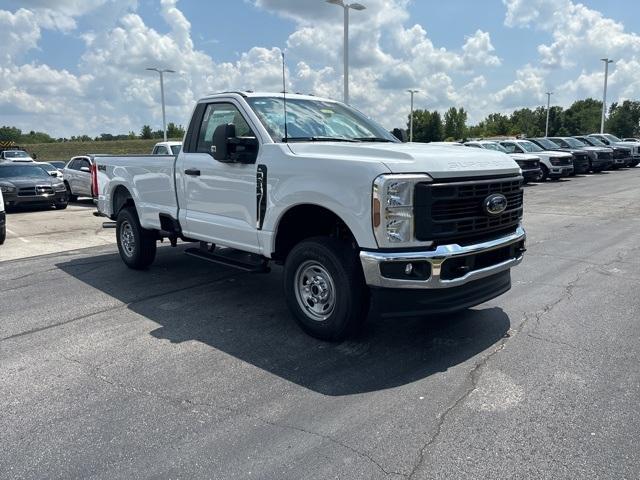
point(59, 164)
point(29, 184)
point(579, 157)
point(594, 162)
point(554, 164)
point(529, 164)
point(51, 170)
point(618, 154)
point(166, 148)
point(347, 209)
point(3, 220)
point(15, 156)
point(77, 177)
point(631, 149)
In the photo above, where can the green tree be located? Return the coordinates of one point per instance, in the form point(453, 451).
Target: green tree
point(624, 119)
point(10, 134)
point(583, 117)
point(497, 124)
point(175, 131)
point(455, 124)
point(427, 126)
point(146, 132)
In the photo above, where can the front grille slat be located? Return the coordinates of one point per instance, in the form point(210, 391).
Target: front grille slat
point(453, 213)
point(35, 191)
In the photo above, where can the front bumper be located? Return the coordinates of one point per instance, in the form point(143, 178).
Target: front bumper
point(563, 171)
point(471, 259)
point(531, 174)
point(13, 200)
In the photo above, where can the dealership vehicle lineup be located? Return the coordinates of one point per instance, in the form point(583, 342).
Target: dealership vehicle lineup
point(457, 309)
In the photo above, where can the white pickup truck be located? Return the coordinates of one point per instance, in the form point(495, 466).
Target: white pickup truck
point(357, 218)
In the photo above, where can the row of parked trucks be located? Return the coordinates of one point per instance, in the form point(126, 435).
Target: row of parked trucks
point(545, 158)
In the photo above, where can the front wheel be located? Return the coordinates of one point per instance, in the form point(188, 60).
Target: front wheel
point(324, 288)
point(3, 234)
point(545, 173)
point(70, 196)
point(137, 246)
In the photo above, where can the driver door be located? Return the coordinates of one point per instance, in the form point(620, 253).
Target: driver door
point(220, 197)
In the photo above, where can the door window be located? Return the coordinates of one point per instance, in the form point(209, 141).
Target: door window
point(83, 163)
point(510, 147)
point(217, 114)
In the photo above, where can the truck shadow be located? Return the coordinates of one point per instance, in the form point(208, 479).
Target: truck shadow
point(245, 316)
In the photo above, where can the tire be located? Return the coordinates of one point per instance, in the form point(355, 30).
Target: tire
point(61, 206)
point(545, 172)
point(137, 246)
point(335, 272)
point(70, 196)
point(3, 234)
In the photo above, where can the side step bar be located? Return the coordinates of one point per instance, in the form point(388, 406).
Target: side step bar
point(232, 258)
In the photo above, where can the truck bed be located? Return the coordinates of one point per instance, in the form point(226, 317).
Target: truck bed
point(150, 176)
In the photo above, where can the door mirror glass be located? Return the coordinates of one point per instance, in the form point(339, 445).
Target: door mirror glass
point(221, 136)
point(85, 169)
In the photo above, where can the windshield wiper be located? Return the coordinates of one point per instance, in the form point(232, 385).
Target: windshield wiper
point(318, 139)
point(374, 139)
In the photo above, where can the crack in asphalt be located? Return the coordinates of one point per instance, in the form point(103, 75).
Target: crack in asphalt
point(473, 377)
point(95, 373)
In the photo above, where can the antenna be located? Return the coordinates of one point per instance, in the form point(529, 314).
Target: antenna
point(284, 97)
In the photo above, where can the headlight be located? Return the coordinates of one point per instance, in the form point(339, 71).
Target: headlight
point(392, 209)
point(59, 187)
point(7, 189)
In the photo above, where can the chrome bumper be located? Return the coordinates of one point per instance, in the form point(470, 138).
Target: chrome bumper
point(372, 260)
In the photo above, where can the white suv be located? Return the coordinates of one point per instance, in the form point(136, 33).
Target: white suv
point(77, 177)
point(554, 164)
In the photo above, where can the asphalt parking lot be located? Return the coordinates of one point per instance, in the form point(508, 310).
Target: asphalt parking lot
point(191, 370)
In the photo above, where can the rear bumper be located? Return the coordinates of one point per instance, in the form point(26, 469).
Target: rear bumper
point(448, 266)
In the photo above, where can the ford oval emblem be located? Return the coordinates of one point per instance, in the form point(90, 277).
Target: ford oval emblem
point(495, 204)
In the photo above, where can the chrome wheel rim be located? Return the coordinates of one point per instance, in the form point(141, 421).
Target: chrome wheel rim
point(315, 291)
point(127, 239)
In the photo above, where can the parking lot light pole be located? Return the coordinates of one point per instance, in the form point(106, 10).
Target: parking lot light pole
point(546, 129)
point(346, 7)
point(604, 94)
point(412, 92)
point(162, 72)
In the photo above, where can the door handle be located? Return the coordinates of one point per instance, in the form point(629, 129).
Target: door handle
point(192, 171)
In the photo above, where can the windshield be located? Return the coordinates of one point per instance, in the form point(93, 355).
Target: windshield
point(16, 154)
point(529, 146)
point(494, 146)
point(58, 164)
point(574, 142)
point(8, 171)
point(611, 138)
point(546, 143)
point(48, 167)
point(593, 141)
point(316, 120)
point(175, 149)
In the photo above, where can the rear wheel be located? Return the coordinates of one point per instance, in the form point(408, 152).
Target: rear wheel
point(137, 246)
point(324, 288)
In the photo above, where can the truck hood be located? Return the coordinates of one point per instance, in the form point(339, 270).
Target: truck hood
point(524, 156)
point(439, 161)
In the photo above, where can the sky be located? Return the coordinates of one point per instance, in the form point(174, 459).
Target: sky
point(72, 67)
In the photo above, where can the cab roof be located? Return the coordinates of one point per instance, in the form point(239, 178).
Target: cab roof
point(252, 94)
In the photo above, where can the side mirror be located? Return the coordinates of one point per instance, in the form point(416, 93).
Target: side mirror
point(227, 147)
point(400, 134)
point(53, 174)
point(85, 169)
point(34, 156)
point(221, 136)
